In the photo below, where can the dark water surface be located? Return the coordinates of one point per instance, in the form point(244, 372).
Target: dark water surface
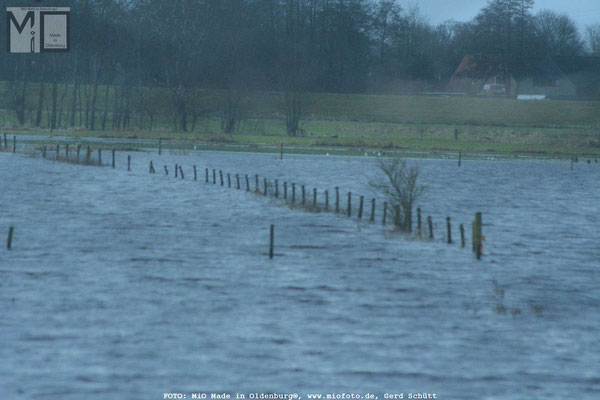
point(126, 285)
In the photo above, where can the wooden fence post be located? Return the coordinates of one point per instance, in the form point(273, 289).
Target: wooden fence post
point(176, 170)
point(181, 172)
point(449, 229)
point(67, 152)
point(78, 151)
point(159, 147)
point(99, 156)
point(195, 174)
point(247, 183)
point(462, 236)
point(228, 179)
point(337, 199)
point(151, 169)
point(57, 152)
point(459, 158)
point(293, 193)
point(265, 186)
point(285, 190)
point(88, 155)
point(256, 182)
point(10, 237)
point(430, 224)
point(349, 211)
point(206, 174)
point(326, 200)
point(372, 210)
point(384, 212)
point(166, 170)
point(314, 197)
point(281, 152)
point(5, 143)
point(477, 236)
point(44, 151)
point(276, 188)
point(360, 206)
point(129, 162)
point(419, 226)
point(221, 176)
point(303, 195)
point(214, 171)
point(271, 240)
point(237, 179)
point(113, 157)
point(14, 144)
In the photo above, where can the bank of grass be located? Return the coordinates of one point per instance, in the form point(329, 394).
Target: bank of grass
point(402, 123)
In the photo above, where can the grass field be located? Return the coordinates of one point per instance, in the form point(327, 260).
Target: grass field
point(357, 122)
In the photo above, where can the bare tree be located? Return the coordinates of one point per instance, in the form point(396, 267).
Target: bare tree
point(401, 188)
point(592, 33)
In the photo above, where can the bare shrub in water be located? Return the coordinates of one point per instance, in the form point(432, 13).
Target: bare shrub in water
point(401, 188)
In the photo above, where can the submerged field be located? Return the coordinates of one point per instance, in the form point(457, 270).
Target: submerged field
point(358, 122)
point(128, 284)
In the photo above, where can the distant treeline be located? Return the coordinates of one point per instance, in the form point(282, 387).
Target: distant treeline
point(122, 49)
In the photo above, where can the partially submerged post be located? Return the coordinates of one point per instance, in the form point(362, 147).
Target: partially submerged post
point(78, 151)
point(57, 152)
point(360, 207)
point(181, 172)
point(159, 146)
point(206, 174)
point(285, 190)
point(419, 226)
point(462, 236)
point(10, 237)
point(151, 169)
point(113, 156)
point(271, 240)
point(256, 182)
point(326, 200)
point(477, 237)
point(88, 155)
point(265, 186)
point(99, 156)
point(430, 224)
point(5, 142)
point(337, 199)
point(14, 144)
point(221, 176)
point(228, 179)
point(349, 211)
point(195, 174)
point(384, 212)
point(281, 152)
point(176, 170)
point(237, 179)
point(459, 158)
point(293, 193)
point(128, 162)
point(314, 197)
point(372, 210)
point(247, 183)
point(303, 195)
point(166, 170)
point(67, 151)
point(449, 229)
point(214, 176)
point(276, 188)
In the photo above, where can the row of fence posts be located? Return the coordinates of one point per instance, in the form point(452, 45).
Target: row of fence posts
point(88, 155)
point(292, 201)
point(476, 237)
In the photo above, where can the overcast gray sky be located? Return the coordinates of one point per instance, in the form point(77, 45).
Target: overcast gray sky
point(583, 12)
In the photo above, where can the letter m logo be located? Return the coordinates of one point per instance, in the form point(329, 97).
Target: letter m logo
point(22, 32)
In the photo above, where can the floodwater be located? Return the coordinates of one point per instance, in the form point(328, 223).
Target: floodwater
point(127, 285)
